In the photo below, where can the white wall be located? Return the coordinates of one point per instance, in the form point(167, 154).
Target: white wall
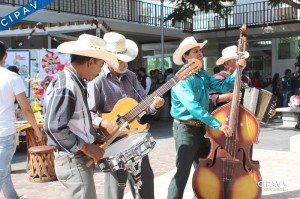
point(280, 65)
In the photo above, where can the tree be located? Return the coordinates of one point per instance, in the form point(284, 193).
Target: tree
point(185, 9)
point(288, 2)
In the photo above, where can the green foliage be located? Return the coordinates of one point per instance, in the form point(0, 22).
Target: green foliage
point(155, 63)
point(275, 2)
point(185, 9)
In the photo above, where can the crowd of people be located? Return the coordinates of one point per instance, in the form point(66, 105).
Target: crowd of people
point(286, 86)
point(92, 84)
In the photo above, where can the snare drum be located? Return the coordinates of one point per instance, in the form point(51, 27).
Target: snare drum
point(128, 150)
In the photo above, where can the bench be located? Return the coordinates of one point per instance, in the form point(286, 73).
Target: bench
point(289, 115)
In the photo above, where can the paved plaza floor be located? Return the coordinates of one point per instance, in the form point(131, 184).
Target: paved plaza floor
point(280, 168)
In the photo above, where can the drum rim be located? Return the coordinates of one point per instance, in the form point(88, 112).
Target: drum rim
point(126, 139)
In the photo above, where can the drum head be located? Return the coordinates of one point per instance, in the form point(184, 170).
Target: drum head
point(124, 144)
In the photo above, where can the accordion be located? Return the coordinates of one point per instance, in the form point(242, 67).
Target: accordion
point(259, 102)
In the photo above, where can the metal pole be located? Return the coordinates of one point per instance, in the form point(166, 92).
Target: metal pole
point(98, 30)
point(162, 34)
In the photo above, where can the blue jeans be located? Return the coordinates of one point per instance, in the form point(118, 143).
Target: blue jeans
point(286, 98)
point(7, 150)
point(74, 175)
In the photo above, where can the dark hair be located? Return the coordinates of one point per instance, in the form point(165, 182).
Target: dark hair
point(297, 64)
point(170, 70)
point(221, 67)
point(80, 59)
point(275, 77)
point(13, 69)
point(287, 71)
point(186, 53)
point(2, 50)
point(216, 69)
point(142, 69)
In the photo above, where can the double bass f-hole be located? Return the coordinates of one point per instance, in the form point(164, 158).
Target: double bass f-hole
point(229, 171)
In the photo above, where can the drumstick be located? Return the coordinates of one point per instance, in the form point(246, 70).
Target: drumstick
point(104, 146)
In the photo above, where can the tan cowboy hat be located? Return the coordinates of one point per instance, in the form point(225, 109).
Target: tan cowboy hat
point(230, 53)
point(89, 46)
point(124, 49)
point(187, 44)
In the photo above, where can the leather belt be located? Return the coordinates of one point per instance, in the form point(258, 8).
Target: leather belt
point(195, 123)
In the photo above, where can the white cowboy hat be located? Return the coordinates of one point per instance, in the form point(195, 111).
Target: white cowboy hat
point(124, 49)
point(230, 53)
point(89, 46)
point(187, 44)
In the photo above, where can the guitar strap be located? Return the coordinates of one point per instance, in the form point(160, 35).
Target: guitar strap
point(131, 83)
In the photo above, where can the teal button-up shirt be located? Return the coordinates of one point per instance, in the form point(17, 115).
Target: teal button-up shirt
point(190, 97)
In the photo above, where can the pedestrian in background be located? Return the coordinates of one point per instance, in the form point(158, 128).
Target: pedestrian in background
point(12, 88)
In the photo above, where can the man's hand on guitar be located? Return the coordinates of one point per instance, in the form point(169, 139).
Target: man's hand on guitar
point(158, 102)
point(93, 151)
point(110, 127)
point(100, 139)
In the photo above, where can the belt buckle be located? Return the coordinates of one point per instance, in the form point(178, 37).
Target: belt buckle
point(195, 123)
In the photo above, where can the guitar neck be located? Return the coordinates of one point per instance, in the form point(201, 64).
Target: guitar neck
point(137, 110)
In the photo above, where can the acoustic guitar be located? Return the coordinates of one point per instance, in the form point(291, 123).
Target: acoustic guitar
point(127, 110)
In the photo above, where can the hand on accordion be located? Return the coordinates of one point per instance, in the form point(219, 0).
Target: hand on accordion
point(272, 111)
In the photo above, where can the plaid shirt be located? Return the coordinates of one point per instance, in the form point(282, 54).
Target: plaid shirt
point(105, 91)
point(67, 120)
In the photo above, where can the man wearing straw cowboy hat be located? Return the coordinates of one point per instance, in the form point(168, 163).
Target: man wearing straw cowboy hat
point(113, 84)
point(189, 109)
point(67, 121)
point(229, 60)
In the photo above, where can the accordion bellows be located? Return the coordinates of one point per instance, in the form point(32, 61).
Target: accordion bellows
point(259, 102)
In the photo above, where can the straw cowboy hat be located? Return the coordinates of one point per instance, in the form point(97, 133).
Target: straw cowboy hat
point(187, 44)
point(89, 46)
point(230, 53)
point(124, 49)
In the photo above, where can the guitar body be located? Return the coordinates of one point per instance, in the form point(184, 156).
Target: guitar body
point(122, 107)
point(128, 109)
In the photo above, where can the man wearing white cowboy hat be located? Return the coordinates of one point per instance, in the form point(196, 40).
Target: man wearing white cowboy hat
point(113, 84)
point(229, 61)
point(189, 109)
point(67, 121)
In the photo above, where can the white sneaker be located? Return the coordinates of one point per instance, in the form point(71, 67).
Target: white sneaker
point(22, 197)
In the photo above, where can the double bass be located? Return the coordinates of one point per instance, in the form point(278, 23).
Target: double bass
point(229, 172)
